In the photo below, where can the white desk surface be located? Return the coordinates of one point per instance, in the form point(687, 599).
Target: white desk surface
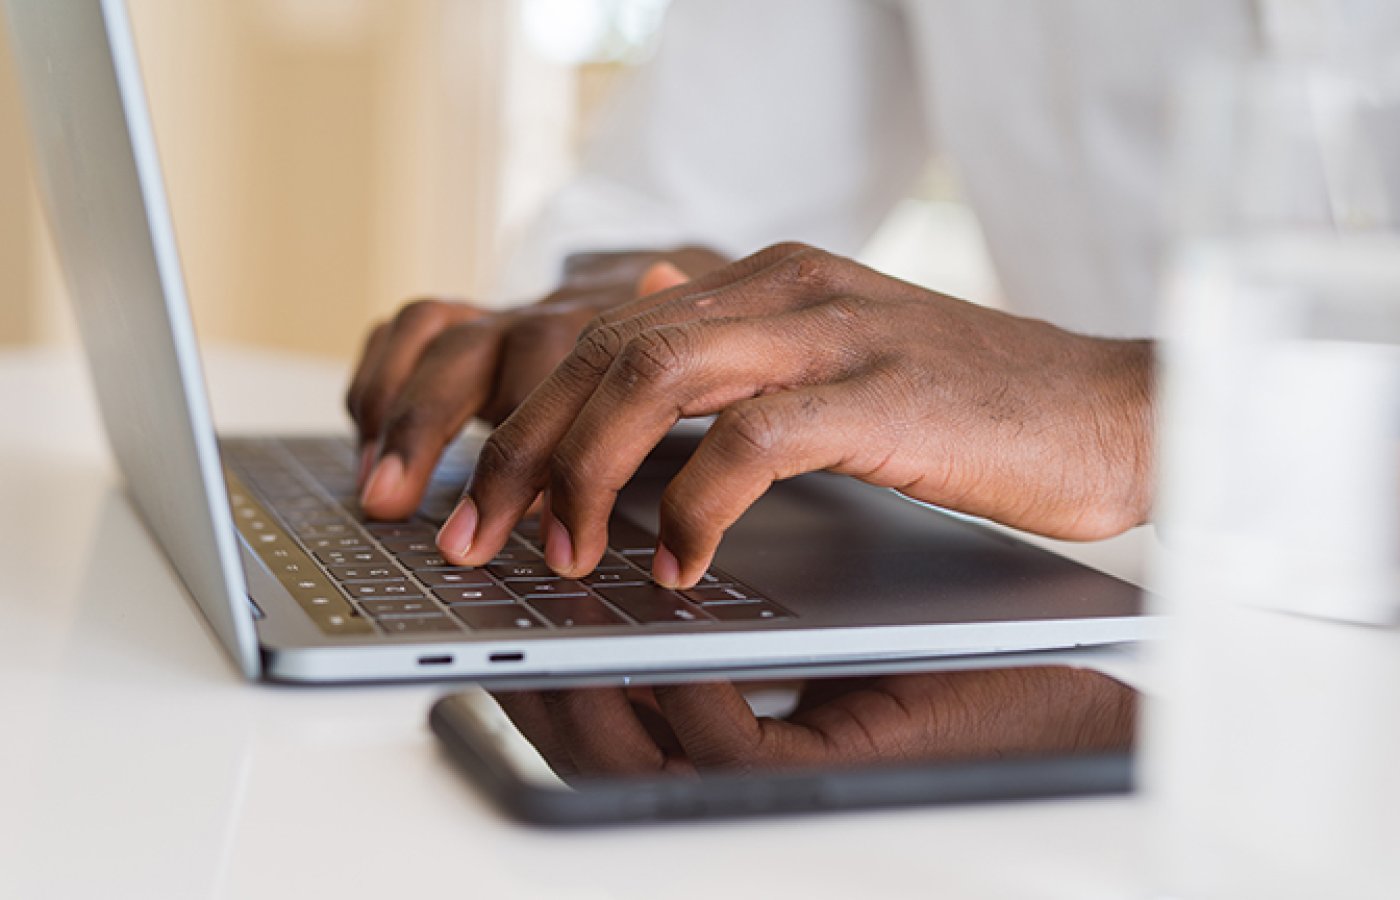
point(134, 762)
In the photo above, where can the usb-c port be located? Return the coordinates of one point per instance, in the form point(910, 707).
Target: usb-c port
point(435, 660)
point(507, 657)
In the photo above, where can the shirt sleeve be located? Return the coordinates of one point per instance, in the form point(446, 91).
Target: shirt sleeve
point(753, 123)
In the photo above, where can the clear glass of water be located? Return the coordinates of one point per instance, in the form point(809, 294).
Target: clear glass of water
point(1271, 757)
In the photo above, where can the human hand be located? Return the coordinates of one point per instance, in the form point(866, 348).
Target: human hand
point(438, 363)
point(813, 362)
point(911, 718)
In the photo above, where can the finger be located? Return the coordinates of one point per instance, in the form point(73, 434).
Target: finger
point(514, 462)
point(661, 376)
point(751, 445)
point(602, 733)
point(410, 333)
point(451, 382)
point(718, 730)
point(375, 345)
point(528, 712)
point(659, 277)
point(533, 345)
point(715, 280)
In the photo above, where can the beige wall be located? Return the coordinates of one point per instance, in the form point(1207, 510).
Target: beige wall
point(325, 159)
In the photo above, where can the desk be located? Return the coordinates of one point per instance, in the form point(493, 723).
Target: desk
point(136, 763)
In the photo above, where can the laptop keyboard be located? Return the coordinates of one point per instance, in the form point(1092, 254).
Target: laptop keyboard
point(294, 501)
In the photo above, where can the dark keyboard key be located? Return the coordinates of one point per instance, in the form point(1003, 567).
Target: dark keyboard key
point(640, 558)
point(516, 552)
point(304, 502)
point(729, 593)
point(624, 536)
point(529, 529)
point(314, 523)
point(390, 608)
point(342, 623)
point(575, 612)
point(601, 577)
point(334, 529)
point(352, 558)
point(364, 573)
point(418, 561)
point(401, 545)
point(532, 570)
point(338, 542)
point(398, 588)
point(478, 594)
point(558, 587)
point(437, 511)
point(454, 578)
point(497, 617)
point(648, 604)
point(747, 612)
point(610, 561)
point(418, 624)
point(399, 529)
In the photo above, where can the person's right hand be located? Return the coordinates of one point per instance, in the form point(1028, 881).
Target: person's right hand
point(438, 363)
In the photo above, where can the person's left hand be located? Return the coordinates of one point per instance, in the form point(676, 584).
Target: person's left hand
point(918, 718)
point(815, 362)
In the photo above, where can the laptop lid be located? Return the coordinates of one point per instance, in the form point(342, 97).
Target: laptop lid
point(101, 185)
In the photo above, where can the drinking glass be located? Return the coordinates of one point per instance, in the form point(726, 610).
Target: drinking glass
point(1271, 755)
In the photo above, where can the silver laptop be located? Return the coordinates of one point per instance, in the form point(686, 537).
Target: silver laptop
point(266, 536)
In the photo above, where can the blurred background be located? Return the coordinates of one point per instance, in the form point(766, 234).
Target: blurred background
point(328, 159)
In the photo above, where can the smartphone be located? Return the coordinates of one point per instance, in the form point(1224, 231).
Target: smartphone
point(711, 748)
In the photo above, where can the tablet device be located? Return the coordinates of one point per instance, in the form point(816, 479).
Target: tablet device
point(611, 754)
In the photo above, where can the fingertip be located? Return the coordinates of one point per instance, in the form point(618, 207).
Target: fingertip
point(660, 276)
point(665, 568)
point(558, 545)
point(367, 455)
point(383, 485)
point(458, 534)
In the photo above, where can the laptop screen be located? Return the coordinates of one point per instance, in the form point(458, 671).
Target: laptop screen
point(101, 185)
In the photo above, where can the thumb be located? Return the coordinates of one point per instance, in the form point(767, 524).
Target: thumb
point(658, 277)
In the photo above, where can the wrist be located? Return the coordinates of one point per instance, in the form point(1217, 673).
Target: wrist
point(1127, 421)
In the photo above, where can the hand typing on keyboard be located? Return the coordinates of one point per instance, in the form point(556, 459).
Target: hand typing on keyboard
point(811, 361)
point(910, 719)
point(438, 363)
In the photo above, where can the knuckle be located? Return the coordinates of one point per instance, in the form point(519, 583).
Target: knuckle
point(422, 314)
point(846, 309)
point(748, 430)
point(411, 423)
point(372, 406)
point(682, 514)
point(654, 356)
point(784, 249)
point(595, 351)
point(567, 477)
point(454, 340)
point(602, 320)
point(812, 269)
point(500, 455)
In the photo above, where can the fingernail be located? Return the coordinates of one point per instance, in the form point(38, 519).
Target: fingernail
point(458, 532)
point(665, 570)
point(383, 482)
point(366, 463)
point(558, 546)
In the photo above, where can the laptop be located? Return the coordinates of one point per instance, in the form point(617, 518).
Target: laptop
point(266, 536)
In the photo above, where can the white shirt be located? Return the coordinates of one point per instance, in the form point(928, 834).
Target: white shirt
point(759, 121)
